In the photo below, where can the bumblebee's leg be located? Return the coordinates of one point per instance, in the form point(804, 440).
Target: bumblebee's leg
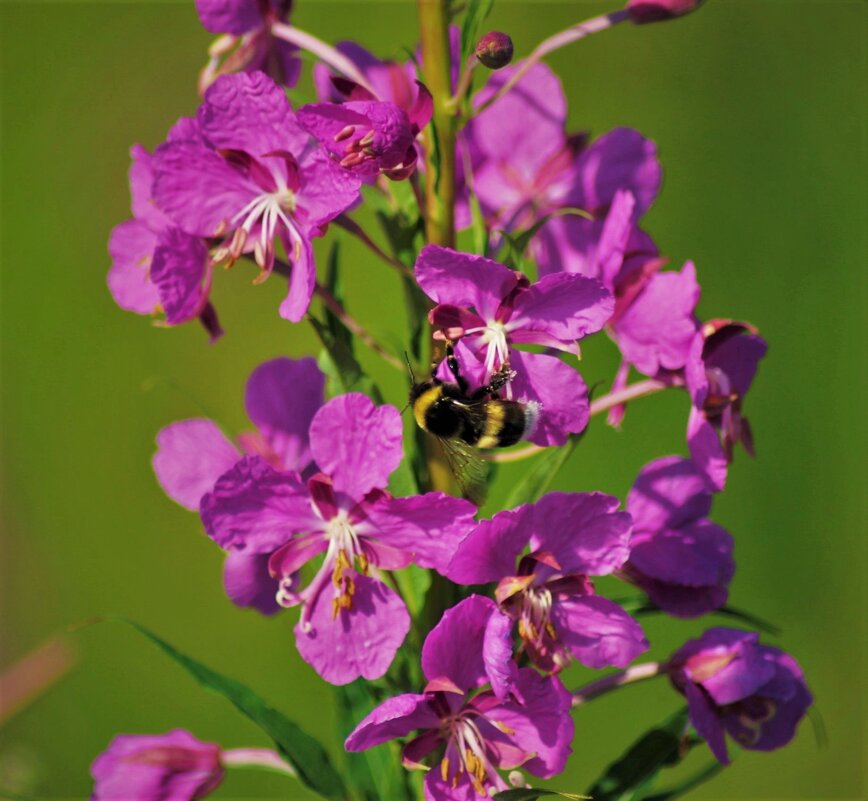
point(452, 364)
point(503, 376)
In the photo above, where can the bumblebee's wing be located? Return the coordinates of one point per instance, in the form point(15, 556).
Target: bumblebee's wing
point(469, 469)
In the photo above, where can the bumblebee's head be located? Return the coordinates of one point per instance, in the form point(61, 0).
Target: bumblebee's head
point(417, 390)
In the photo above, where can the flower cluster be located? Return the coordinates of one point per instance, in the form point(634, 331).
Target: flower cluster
point(328, 506)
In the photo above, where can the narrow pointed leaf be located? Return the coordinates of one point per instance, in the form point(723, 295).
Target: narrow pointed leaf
point(708, 772)
point(477, 11)
point(301, 751)
point(375, 774)
point(641, 763)
point(530, 794)
point(533, 485)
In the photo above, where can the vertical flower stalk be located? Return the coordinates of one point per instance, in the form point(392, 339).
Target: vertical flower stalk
point(440, 138)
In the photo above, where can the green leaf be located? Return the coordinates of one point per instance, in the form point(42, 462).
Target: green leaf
point(708, 772)
point(642, 761)
point(339, 364)
point(303, 752)
point(477, 11)
point(375, 774)
point(751, 619)
point(530, 794)
point(516, 242)
point(533, 485)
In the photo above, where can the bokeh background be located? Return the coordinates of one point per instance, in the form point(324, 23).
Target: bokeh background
point(758, 109)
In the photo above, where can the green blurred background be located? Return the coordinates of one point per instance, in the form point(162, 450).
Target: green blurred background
point(758, 108)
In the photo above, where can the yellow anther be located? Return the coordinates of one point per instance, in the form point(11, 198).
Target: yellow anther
point(444, 768)
point(363, 563)
point(503, 727)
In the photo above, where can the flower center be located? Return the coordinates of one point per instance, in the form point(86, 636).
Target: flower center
point(268, 210)
point(468, 750)
point(345, 553)
point(534, 610)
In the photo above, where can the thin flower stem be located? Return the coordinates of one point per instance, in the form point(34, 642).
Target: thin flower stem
point(559, 40)
point(632, 674)
point(336, 308)
point(463, 83)
point(640, 389)
point(352, 227)
point(325, 52)
point(256, 758)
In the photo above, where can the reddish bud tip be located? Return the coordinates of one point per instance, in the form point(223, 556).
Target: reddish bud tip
point(494, 50)
point(658, 10)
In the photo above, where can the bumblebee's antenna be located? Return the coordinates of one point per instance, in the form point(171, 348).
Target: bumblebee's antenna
point(409, 367)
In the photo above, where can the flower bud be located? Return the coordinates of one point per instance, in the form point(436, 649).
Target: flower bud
point(494, 50)
point(658, 10)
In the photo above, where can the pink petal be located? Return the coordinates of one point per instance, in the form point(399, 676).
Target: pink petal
point(395, 717)
point(428, 527)
point(565, 306)
point(131, 246)
point(583, 530)
point(248, 583)
point(248, 111)
point(541, 725)
point(657, 329)
point(357, 443)
point(141, 183)
point(598, 632)
point(199, 190)
point(668, 493)
point(302, 281)
point(461, 279)
point(191, 455)
point(179, 273)
point(620, 159)
point(360, 642)
point(229, 16)
point(456, 648)
point(281, 398)
point(256, 509)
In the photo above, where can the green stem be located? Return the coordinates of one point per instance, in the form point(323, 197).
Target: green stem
point(440, 136)
point(439, 213)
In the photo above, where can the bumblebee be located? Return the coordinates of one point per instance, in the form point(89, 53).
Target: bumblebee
point(463, 420)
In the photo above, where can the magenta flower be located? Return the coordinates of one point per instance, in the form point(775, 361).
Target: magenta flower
point(547, 590)
point(733, 684)
point(251, 174)
point(248, 44)
point(165, 767)
point(470, 730)
point(679, 557)
point(491, 307)
point(367, 136)
point(155, 266)
point(281, 398)
point(351, 622)
point(370, 131)
point(517, 147)
point(723, 361)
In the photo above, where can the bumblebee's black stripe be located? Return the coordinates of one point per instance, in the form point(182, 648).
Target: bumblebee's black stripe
point(441, 409)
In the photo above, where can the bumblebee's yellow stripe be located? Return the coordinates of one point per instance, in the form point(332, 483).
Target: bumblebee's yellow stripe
point(424, 402)
point(495, 415)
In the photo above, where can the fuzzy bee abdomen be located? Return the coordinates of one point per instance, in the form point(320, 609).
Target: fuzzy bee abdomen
point(504, 423)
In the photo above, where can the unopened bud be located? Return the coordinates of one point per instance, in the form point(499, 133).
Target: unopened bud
point(657, 10)
point(494, 50)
